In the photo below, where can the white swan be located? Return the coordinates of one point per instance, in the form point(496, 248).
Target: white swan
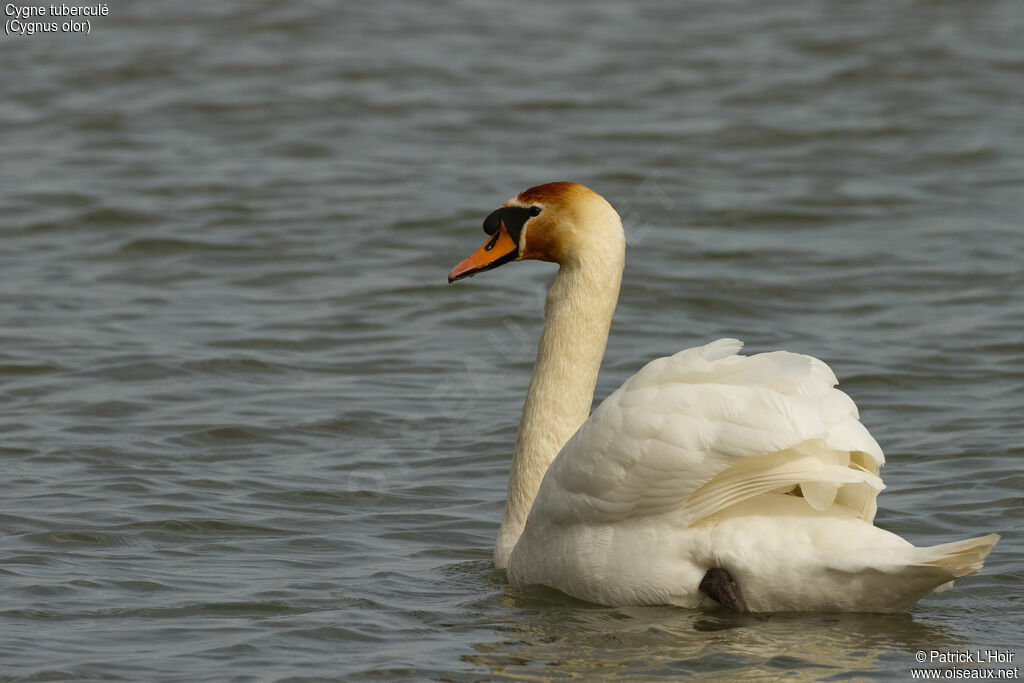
point(707, 477)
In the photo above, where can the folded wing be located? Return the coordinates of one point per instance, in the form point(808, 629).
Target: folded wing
point(700, 431)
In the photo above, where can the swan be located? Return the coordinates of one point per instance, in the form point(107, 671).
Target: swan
point(709, 479)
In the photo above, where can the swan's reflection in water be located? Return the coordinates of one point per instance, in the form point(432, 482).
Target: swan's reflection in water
point(557, 637)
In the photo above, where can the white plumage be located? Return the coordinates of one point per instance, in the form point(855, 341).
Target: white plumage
point(705, 460)
point(700, 460)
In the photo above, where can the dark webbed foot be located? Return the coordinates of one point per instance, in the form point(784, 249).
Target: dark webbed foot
point(718, 585)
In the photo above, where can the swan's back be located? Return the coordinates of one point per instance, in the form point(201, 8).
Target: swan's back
point(708, 428)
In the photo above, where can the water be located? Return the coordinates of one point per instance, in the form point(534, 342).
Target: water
point(247, 430)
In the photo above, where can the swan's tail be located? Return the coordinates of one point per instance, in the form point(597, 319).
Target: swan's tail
point(933, 568)
point(915, 572)
point(893, 580)
point(809, 560)
point(959, 558)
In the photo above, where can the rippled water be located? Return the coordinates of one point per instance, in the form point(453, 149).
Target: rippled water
point(248, 432)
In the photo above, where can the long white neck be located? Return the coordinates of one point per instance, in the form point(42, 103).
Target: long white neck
point(577, 316)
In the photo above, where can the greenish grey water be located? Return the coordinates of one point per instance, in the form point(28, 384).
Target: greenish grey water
point(248, 432)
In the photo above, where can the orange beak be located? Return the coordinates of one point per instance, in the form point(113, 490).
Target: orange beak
point(498, 250)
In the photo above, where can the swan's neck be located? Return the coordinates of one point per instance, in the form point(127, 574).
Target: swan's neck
point(577, 316)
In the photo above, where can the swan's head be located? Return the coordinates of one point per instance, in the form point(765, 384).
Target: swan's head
point(558, 222)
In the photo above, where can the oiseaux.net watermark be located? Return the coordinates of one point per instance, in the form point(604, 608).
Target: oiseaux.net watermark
point(977, 664)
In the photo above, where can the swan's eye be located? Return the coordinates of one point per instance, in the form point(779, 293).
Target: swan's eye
point(512, 217)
